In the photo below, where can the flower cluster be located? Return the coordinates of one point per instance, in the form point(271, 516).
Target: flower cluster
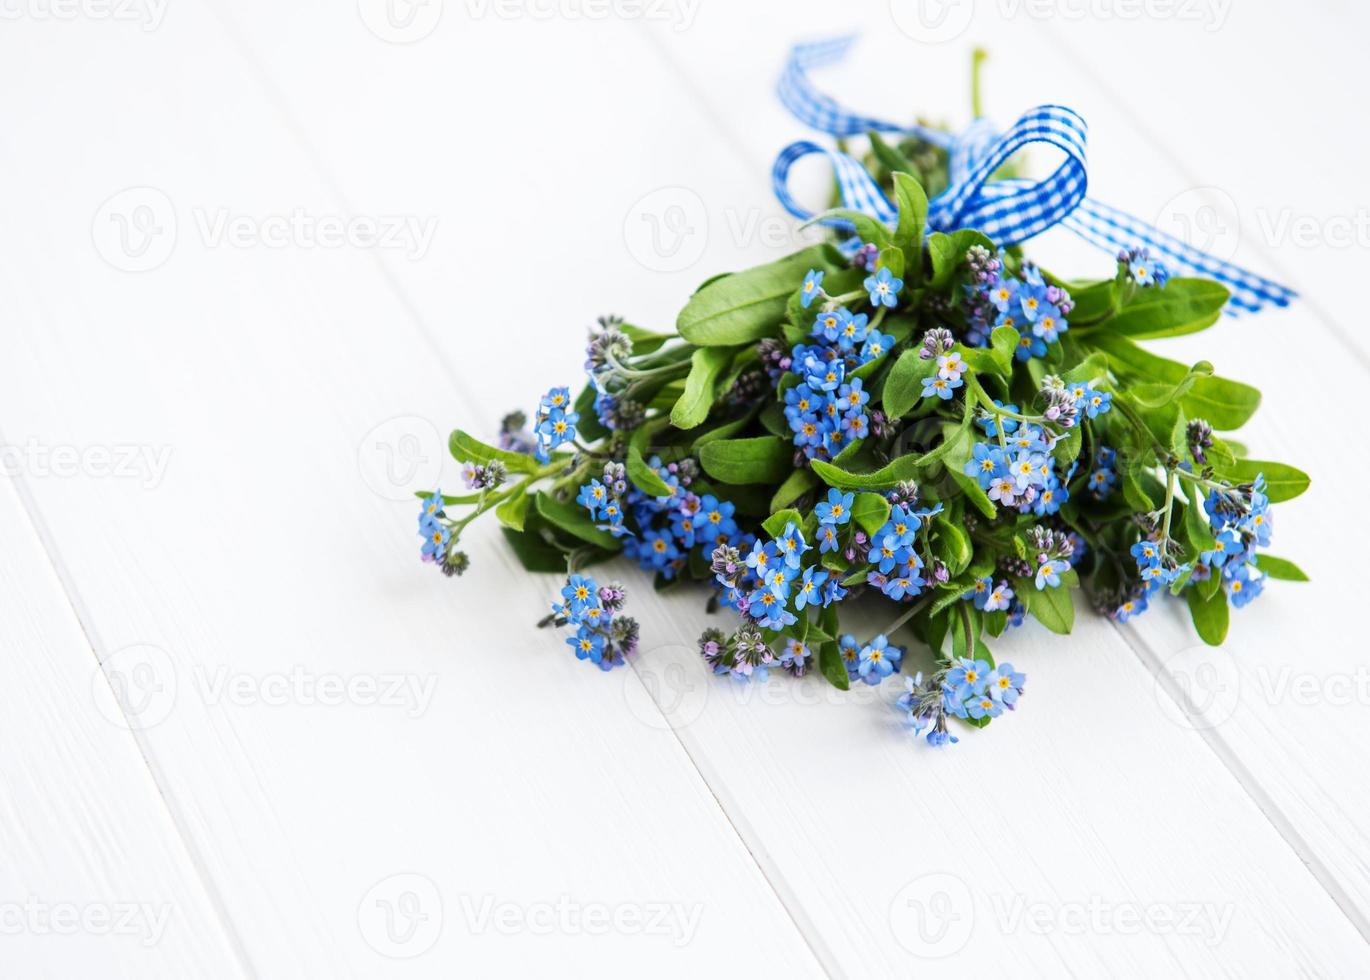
point(894, 553)
point(967, 689)
point(484, 476)
point(602, 636)
point(671, 526)
point(514, 436)
point(1018, 471)
point(744, 655)
point(1139, 267)
point(1241, 522)
point(1103, 478)
point(826, 411)
point(996, 299)
point(1052, 553)
point(603, 498)
point(555, 424)
point(937, 343)
point(771, 584)
point(965, 488)
point(871, 662)
point(436, 531)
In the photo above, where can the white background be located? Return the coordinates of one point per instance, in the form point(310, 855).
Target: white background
point(244, 733)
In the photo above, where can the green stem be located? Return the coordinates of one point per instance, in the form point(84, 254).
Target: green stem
point(1169, 506)
point(978, 58)
point(966, 624)
point(489, 501)
point(908, 614)
point(636, 374)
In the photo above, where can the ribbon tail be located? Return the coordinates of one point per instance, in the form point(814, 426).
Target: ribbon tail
point(1114, 230)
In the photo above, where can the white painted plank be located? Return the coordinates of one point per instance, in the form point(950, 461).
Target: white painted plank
point(1294, 723)
point(1093, 798)
point(1287, 728)
point(526, 787)
point(95, 878)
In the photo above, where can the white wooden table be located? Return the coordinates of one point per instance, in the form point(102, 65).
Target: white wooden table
point(244, 733)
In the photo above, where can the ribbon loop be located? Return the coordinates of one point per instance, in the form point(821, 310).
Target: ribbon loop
point(1008, 211)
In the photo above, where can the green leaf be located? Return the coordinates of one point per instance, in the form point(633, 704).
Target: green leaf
point(1054, 607)
point(1196, 525)
point(749, 305)
point(723, 431)
point(995, 359)
point(904, 383)
point(893, 259)
point(954, 544)
point(513, 510)
point(1222, 403)
point(871, 511)
point(1210, 616)
point(1092, 300)
point(1281, 568)
point(913, 217)
point(795, 486)
point(890, 157)
point(969, 485)
point(575, 520)
point(1004, 342)
point(706, 364)
point(946, 252)
point(467, 448)
point(533, 553)
point(762, 459)
point(1283, 482)
point(775, 524)
point(1183, 306)
point(833, 667)
point(868, 229)
point(643, 476)
point(903, 468)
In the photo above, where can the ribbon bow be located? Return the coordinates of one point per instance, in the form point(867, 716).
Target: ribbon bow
point(1008, 211)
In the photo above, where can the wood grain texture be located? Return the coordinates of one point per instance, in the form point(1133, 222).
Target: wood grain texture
point(785, 762)
point(518, 794)
point(301, 392)
point(1286, 698)
point(94, 870)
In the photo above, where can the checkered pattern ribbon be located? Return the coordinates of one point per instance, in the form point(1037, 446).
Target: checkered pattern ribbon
point(1008, 211)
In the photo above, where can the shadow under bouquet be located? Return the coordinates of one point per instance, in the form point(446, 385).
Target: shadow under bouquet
point(915, 418)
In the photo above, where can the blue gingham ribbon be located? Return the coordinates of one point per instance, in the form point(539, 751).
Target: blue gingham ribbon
point(1008, 211)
